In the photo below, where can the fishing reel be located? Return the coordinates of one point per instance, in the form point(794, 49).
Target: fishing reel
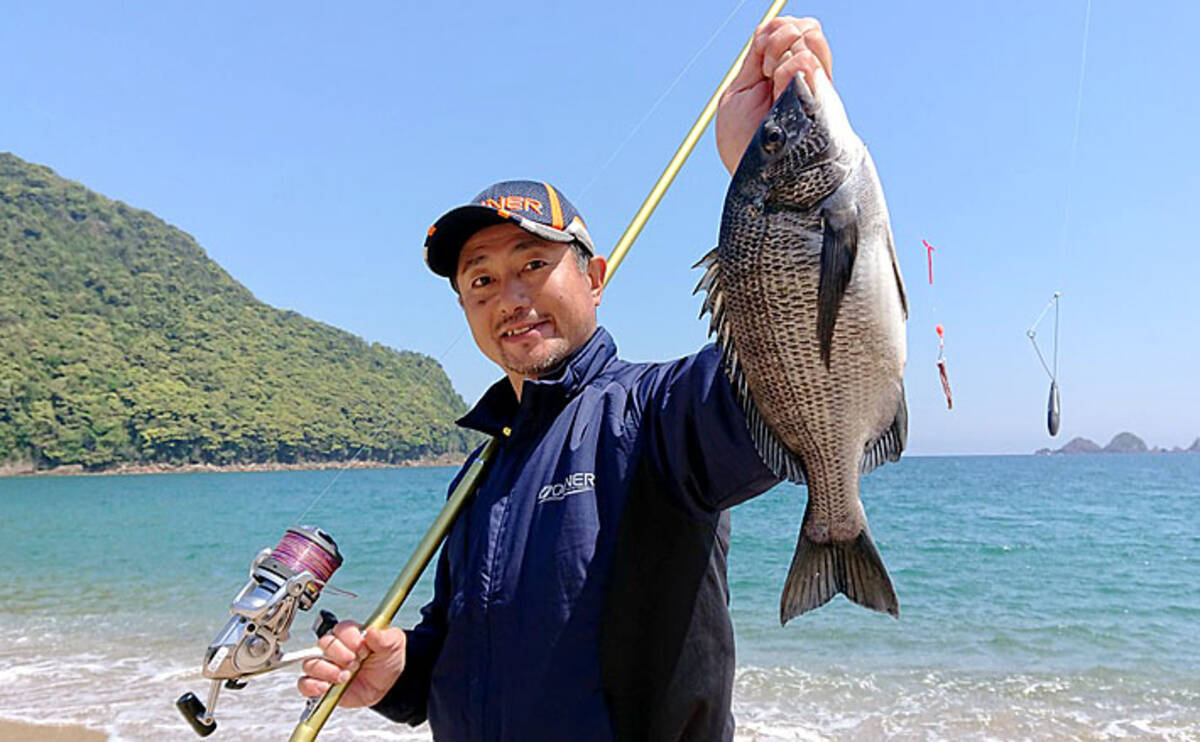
point(285, 579)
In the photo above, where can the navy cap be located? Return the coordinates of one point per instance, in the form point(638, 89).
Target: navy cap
point(535, 207)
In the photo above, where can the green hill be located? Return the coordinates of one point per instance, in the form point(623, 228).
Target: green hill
point(122, 342)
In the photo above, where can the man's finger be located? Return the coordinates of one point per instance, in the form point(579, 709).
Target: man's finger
point(336, 651)
point(792, 37)
point(805, 62)
point(819, 45)
point(386, 641)
point(324, 670)
point(777, 41)
point(310, 688)
point(349, 633)
point(751, 72)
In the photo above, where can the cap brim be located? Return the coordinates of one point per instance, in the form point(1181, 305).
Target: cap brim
point(455, 227)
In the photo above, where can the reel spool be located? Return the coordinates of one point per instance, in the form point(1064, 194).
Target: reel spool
point(284, 579)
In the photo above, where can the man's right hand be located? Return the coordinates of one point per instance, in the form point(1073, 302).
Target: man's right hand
point(378, 654)
point(782, 47)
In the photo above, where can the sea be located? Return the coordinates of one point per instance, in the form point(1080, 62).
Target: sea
point(1042, 598)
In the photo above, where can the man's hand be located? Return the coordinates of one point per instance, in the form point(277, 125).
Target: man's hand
point(781, 47)
point(379, 653)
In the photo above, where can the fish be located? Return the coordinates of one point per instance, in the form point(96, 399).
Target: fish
point(808, 308)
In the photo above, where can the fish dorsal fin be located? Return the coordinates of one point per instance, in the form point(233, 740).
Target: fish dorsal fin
point(778, 457)
point(890, 444)
point(838, 251)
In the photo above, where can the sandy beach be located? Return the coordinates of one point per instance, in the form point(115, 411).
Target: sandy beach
point(11, 731)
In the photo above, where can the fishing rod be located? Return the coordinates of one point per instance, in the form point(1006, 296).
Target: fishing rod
point(291, 576)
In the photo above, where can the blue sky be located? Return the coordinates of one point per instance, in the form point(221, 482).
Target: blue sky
point(308, 148)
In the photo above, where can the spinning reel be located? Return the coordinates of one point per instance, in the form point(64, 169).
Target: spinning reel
point(285, 579)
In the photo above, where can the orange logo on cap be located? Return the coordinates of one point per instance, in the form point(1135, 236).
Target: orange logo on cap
point(514, 203)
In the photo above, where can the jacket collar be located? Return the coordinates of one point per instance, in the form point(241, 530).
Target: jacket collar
point(498, 410)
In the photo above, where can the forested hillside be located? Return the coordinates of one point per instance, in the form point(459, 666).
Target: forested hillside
point(122, 342)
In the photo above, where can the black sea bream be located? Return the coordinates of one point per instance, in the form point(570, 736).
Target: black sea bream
point(808, 307)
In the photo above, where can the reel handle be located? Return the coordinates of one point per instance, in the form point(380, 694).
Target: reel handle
point(324, 623)
point(194, 712)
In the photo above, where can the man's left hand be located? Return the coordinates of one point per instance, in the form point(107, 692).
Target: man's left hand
point(781, 48)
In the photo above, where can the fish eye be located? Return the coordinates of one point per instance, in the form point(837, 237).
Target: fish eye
point(773, 137)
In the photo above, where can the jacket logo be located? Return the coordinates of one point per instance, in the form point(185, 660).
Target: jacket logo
point(573, 484)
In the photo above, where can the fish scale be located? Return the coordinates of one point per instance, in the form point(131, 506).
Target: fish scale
point(807, 305)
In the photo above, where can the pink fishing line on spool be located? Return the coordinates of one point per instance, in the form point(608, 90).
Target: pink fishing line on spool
point(300, 552)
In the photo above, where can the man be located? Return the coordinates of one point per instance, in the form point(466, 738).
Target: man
point(582, 593)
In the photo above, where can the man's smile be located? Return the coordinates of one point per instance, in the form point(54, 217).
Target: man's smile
point(522, 331)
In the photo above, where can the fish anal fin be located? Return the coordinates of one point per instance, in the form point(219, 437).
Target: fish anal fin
point(838, 251)
point(820, 571)
point(780, 459)
point(891, 443)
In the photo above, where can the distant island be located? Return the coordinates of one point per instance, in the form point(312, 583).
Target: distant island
point(1121, 443)
point(123, 347)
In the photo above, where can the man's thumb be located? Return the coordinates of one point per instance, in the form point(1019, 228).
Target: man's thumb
point(385, 641)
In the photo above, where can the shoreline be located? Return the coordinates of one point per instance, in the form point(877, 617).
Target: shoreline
point(76, 470)
point(19, 731)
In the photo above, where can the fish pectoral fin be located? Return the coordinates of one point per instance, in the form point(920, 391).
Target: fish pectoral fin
point(891, 443)
point(837, 263)
point(821, 571)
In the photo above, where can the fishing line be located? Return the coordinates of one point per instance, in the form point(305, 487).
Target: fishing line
point(1032, 334)
point(1063, 242)
point(338, 475)
point(1087, 18)
point(637, 127)
point(1053, 405)
point(299, 552)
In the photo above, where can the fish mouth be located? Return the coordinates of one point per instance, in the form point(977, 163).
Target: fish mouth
point(803, 95)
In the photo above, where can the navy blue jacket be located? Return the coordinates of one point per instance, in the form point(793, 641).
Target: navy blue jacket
point(582, 594)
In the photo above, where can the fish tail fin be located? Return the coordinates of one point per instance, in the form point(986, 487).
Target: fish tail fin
point(822, 570)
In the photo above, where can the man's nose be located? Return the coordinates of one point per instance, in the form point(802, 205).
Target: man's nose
point(514, 296)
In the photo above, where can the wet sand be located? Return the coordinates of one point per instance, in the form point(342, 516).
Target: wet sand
point(12, 731)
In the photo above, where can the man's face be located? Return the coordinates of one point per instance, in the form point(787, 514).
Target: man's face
point(527, 302)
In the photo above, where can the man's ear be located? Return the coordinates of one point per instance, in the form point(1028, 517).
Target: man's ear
point(597, 268)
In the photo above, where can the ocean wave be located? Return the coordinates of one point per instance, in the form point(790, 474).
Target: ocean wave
point(787, 703)
point(132, 698)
